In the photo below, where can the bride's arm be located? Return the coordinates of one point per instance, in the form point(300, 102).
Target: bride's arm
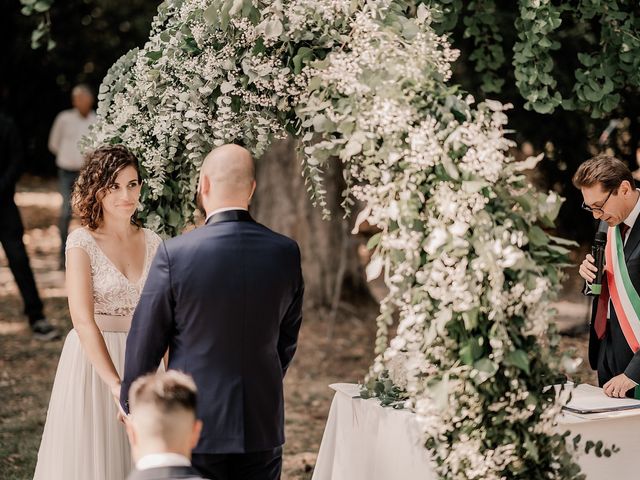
point(79, 290)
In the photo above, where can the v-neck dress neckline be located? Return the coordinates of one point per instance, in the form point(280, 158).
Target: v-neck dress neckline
point(113, 266)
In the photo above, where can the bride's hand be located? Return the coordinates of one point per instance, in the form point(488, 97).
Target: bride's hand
point(115, 392)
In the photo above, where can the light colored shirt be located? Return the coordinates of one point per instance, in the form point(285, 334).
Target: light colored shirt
point(67, 130)
point(158, 460)
point(226, 209)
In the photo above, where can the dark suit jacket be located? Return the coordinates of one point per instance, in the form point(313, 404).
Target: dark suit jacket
point(620, 346)
point(226, 299)
point(165, 473)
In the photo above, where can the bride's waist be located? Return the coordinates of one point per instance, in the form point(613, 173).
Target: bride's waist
point(113, 323)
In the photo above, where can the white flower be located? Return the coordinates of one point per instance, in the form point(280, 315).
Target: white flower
point(436, 239)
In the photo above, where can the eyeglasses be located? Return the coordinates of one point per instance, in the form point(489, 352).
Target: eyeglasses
point(596, 209)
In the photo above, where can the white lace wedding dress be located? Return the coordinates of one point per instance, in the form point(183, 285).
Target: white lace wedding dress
point(82, 438)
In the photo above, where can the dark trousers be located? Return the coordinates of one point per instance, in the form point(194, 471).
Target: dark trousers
point(240, 466)
point(11, 231)
point(66, 179)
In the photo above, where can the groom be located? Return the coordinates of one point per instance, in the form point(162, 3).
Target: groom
point(226, 300)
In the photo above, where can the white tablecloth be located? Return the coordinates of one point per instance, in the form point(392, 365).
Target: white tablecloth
point(364, 441)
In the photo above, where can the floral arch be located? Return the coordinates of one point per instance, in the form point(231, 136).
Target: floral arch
point(470, 271)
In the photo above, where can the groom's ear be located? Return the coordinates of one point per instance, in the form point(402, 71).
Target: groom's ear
point(204, 187)
point(253, 190)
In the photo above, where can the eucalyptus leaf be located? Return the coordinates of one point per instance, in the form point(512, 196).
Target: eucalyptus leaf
point(518, 358)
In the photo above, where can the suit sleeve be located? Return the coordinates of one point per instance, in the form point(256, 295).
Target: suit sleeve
point(152, 324)
point(633, 369)
point(290, 325)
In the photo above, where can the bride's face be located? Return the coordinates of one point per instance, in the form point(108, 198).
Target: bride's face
point(121, 199)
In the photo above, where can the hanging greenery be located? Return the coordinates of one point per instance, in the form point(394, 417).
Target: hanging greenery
point(609, 54)
point(608, 49)
point(470, 269)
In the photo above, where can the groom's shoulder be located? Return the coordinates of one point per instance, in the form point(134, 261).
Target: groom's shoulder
point(183, 239)
point(282, 241)
point(207, 232)
point(278, 236)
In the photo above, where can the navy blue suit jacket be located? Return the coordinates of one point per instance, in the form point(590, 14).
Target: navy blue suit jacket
point(226, 299)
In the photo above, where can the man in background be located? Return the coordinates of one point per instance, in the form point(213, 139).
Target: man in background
point(11, 229)
point(162, 426)
point(67, 130)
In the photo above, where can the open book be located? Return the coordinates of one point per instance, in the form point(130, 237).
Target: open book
point(589, 399)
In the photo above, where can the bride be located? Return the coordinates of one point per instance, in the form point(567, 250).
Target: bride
point(107, 262)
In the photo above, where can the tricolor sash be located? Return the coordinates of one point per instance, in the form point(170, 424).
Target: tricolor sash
point(624, 297)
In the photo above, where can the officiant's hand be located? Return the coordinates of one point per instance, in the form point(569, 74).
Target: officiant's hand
point(618, 386)
point(588, 269)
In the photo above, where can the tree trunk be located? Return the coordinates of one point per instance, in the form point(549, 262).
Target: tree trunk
point(330, 262)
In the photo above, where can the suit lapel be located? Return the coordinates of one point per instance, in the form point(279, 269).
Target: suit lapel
point(632, 242)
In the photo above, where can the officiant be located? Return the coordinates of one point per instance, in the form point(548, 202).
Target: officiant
point(609, 193)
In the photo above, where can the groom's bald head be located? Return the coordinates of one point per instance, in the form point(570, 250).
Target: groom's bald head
point(227, 178)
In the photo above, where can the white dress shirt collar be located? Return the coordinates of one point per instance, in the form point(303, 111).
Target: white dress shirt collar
point(226, 209)
point(633, 216)
point(158, 460)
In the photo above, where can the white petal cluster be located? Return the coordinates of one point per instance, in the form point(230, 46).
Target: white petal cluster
point(190, 89)
point(433, 173)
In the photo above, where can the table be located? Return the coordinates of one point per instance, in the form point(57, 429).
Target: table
point(365, 441)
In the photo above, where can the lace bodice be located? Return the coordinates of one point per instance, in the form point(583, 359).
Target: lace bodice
point(113, 293)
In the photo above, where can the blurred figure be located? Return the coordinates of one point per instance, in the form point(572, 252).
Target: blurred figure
point(11, 230)
point(67, 130)
point(162, 426)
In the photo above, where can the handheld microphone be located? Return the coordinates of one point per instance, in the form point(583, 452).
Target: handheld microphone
point(597, 251)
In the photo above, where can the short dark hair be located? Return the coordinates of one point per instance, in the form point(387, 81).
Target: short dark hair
point(167, 391)
point(604, 169)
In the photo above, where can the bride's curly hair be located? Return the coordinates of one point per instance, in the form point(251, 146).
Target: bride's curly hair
point(100, 171)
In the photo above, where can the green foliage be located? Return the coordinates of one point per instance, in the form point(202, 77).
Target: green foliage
point(488, 53)
point(42, 33)
point(606, 33)
point(606, 71)
point(532, 61)
point(383, 388)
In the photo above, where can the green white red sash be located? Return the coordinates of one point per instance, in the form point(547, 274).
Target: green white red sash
point(624, 297)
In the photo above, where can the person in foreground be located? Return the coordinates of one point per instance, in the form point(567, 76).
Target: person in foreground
point(162, 426)
point(226, 299)
point(609, 193)
point(107, 264)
